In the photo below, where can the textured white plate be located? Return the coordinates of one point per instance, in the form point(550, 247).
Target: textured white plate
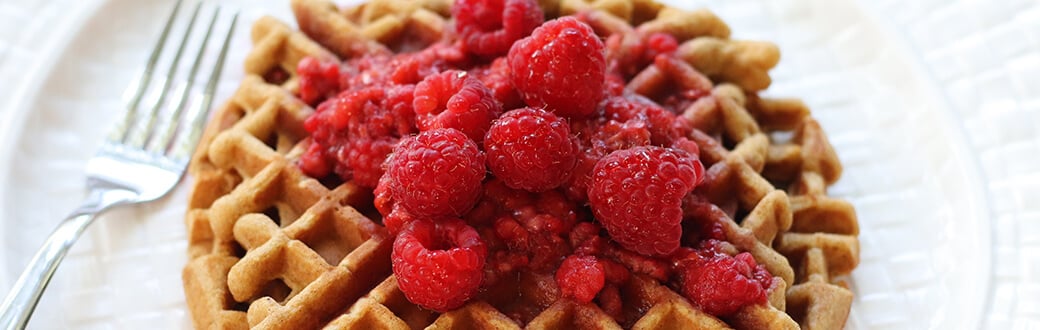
point(925, 226)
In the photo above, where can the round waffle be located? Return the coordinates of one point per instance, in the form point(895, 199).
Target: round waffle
point(271, 247)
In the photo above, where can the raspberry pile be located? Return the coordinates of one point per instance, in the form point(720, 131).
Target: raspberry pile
point(513, 145)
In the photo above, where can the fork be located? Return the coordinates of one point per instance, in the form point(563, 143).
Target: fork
point(142, 159)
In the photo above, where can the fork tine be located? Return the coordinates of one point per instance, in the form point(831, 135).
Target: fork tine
point(145, 133)
point(182, 147)
point(164, 140)
point(140, 84)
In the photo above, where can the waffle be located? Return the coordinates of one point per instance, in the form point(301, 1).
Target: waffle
point(272, 248)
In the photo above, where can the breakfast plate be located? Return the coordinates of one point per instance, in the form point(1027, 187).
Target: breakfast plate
point(925, 230)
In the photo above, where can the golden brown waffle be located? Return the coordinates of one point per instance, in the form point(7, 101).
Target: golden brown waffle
point(272, 248)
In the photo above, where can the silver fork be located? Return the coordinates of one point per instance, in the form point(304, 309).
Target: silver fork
point(138, 162)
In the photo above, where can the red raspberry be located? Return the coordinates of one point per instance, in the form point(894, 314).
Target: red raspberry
point(489, 27)
point(366, 70)
point(439, 266)
point(454, 99)
point(436, 173)
point(510, 232)
point(637, 194)
point(560, 67)
point(664, 126)
point(366, 157)
point(314, 162)
point(383, 199)
point(721, 284)
point(531, 149)
point(397, 219)
point(318, 80)
point(356, 130)
point(580, 278)
point(628, 54)
point(411, 68)
point(585, 239)
point(614, 84)
point(599, 137)
point(496, 77)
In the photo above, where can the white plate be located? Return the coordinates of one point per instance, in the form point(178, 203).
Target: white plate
point(925, 230)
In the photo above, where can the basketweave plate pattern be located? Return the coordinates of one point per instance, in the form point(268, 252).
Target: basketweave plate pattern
point(985, 59)
point(912, 148)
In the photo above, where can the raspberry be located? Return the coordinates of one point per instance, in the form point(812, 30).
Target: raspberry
point(394, 217)
point(585, 239)
point(366, 158)
point(496, 77)
point(454, 99)
point(664, 126)
point(533, 227)
point(488, 28)
point(510, 232)
point(314, 162)
point(628, 54)
point(614, 84)
point(597, 138)
point(580, 278)
point(439, 266)
point(560, 67)
point(624, 53)
point(396, 220)
point(366, 70)
point(719, 284)
point(637, 195)
point(411, 68)
point(382, 199)
point(436, 173)
point(356, 130)
point(531, 149)
point(318, 80)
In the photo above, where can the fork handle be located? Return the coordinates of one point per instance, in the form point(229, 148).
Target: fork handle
point(20, 302)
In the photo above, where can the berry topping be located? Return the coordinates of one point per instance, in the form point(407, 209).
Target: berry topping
point(436, 173)
point(637, 194)
point(580, 278)
point(489, 27)
point(439, 266)
point(454, 99)
point(354, 132)
point(599, 137)
point(366, 158)
point(721, 284)
point(496, 77)
point(318, 80)
point(663, 125)
point(531, 149)
point(561, 67)
point(481, 201)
